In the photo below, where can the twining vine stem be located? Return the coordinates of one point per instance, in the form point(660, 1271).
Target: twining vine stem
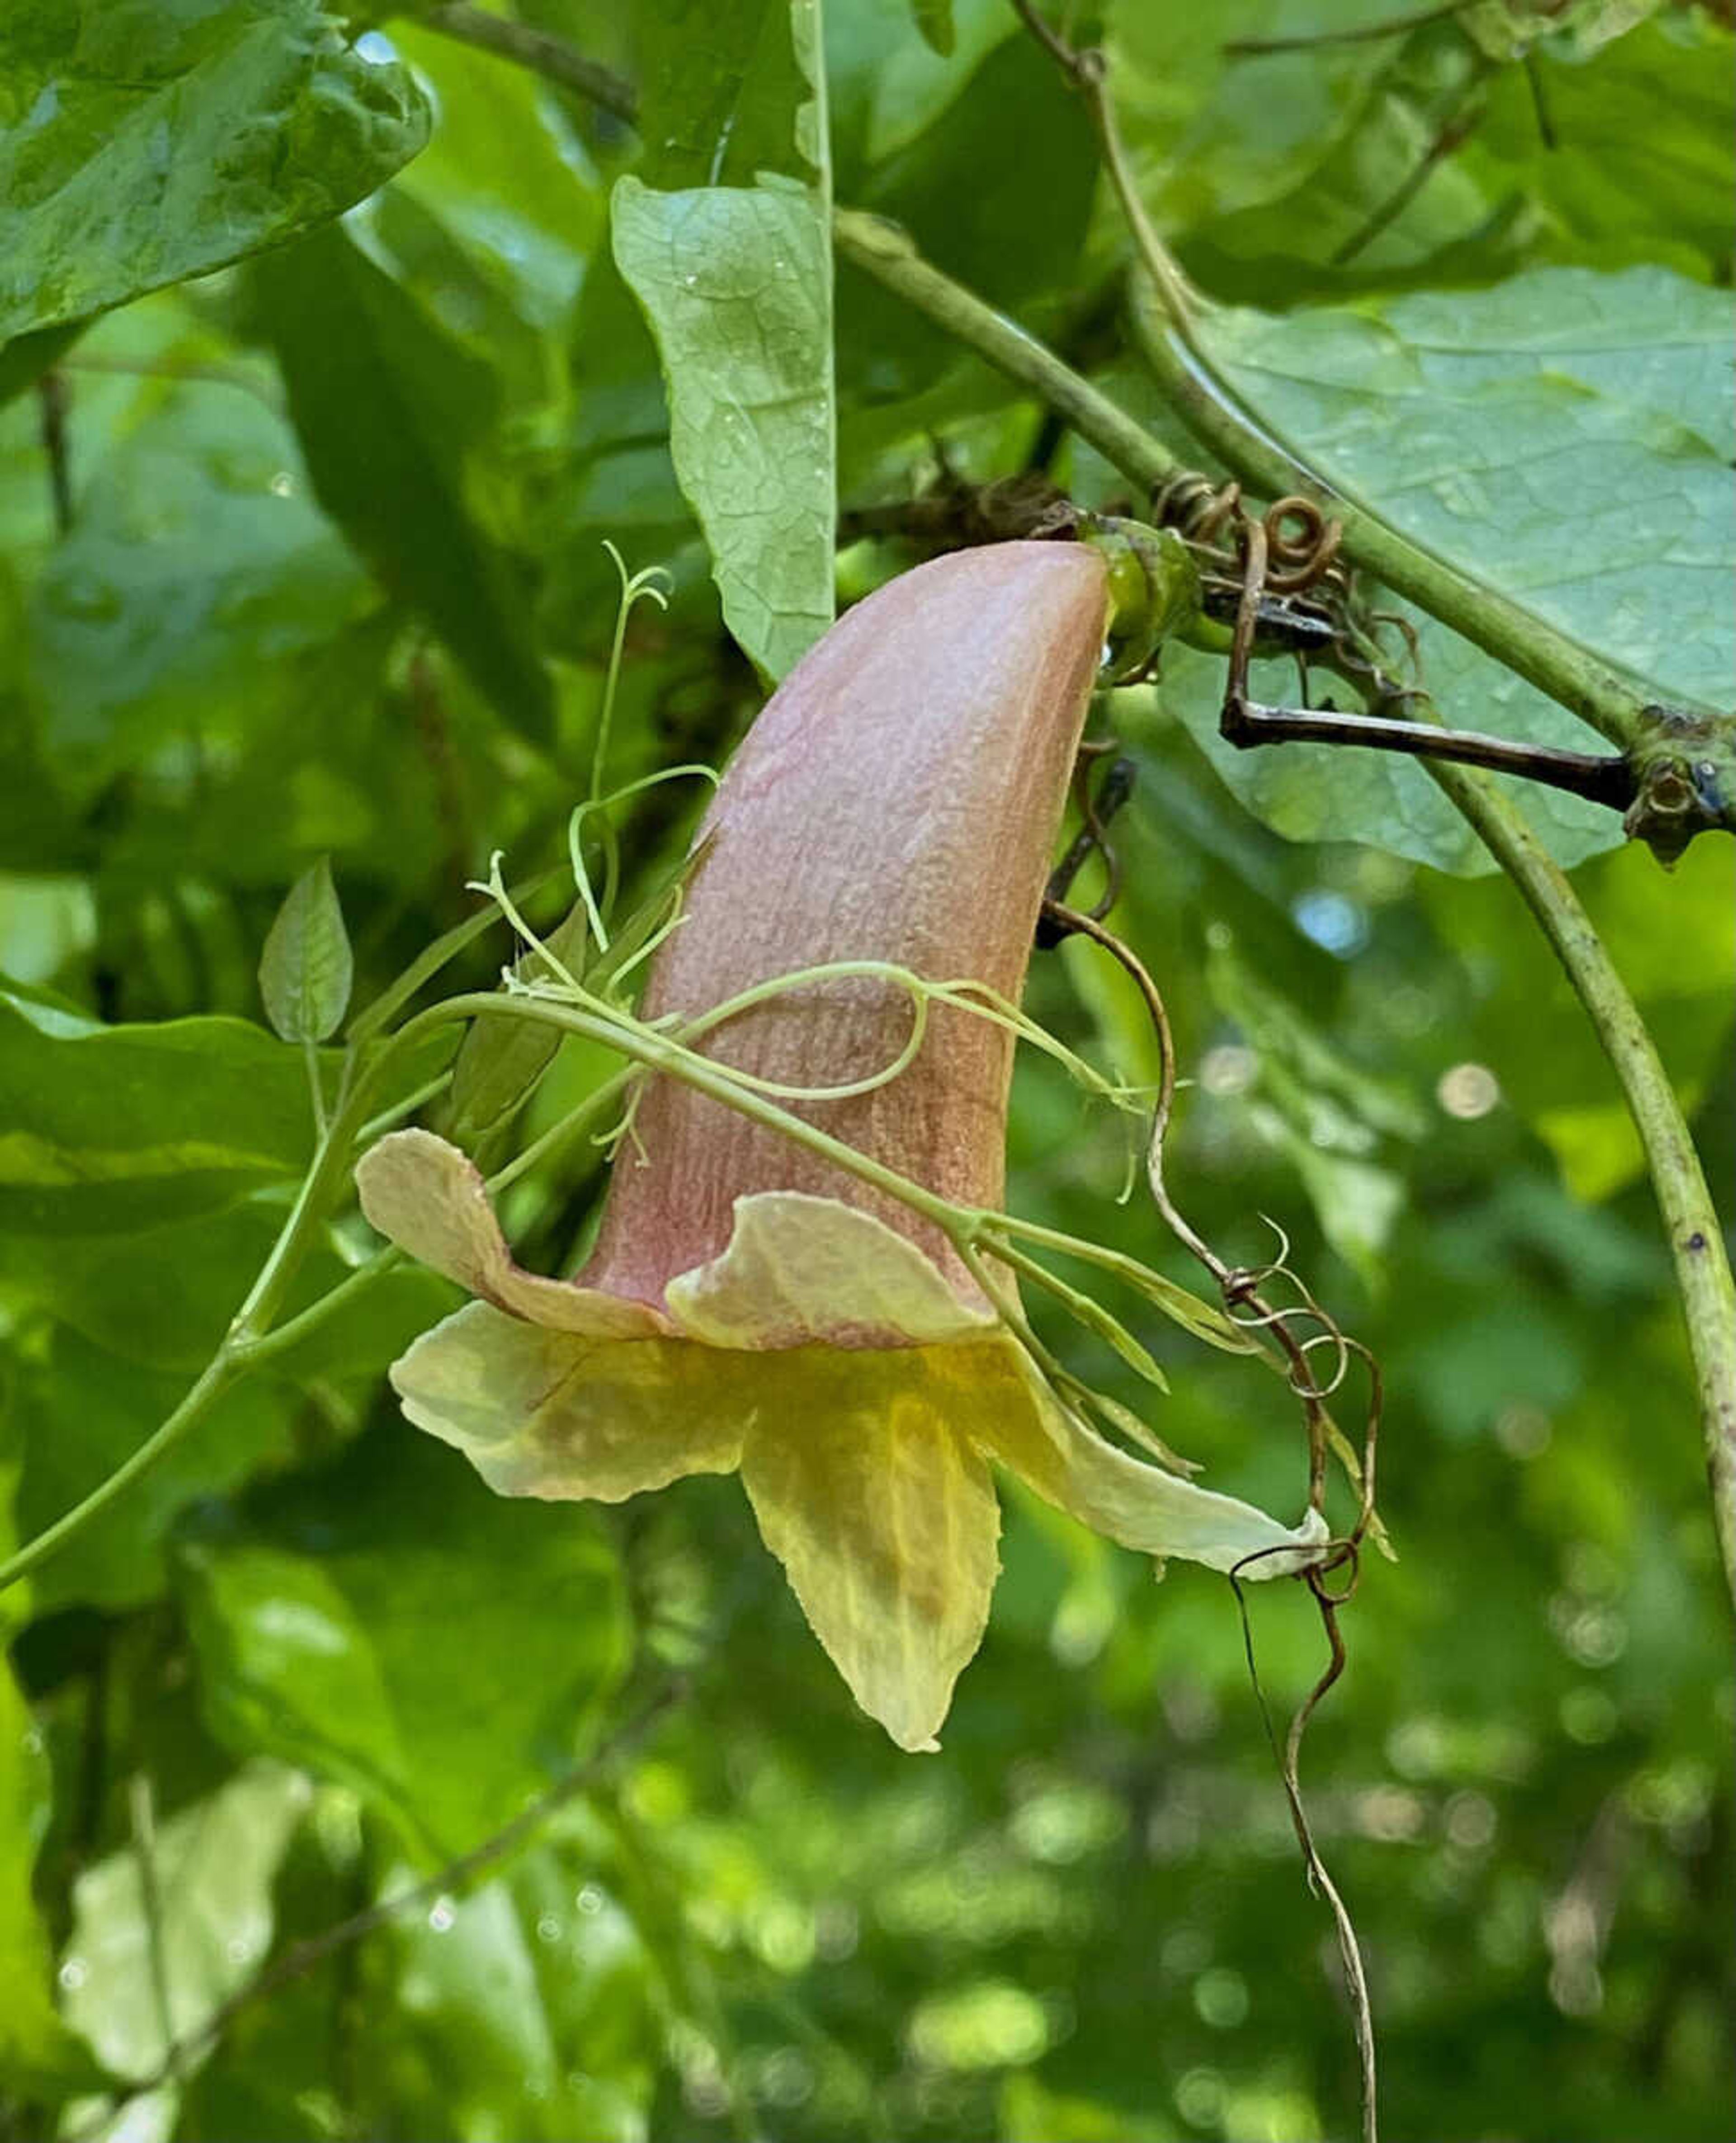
point(1555, 664)
point(1165, 324)
point(1696, 1241)
point(1678, 1181)
point(254, 1337)
point(1708, 1292)
point(1167, 317)
point(550, 57)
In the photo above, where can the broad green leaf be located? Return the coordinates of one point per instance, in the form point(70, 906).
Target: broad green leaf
point(214, 1864)
point(1010, 225)
point(736, 283)
point(729, 92)
point(730, 259)
point(196, 569)
point(160, 1295)
point(392, 412)
point(107, 1129)
point(306, 970)
point(38, 2056)
point(1562, 439)
point(142, 143)
point(1644, 154)
point(398, 1629)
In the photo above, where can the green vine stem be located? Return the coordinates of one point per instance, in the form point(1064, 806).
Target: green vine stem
point(550, 57)
point(889, 256)
point(1555, 665)
point(1678, 1182)
point(1167, 312)
point(1570, 674)
point(1709, 1297)
point(254, 1337)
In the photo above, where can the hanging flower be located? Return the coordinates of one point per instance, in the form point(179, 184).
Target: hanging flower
point(751, 1303)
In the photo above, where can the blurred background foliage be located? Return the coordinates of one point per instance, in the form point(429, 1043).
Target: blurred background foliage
point(302, 558)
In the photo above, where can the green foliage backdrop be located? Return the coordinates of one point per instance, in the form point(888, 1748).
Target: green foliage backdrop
point(337, 347)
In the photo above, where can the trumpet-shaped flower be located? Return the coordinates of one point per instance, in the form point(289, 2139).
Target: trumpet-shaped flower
point(753, 1304)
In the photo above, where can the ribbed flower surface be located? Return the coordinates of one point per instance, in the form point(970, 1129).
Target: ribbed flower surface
point(753, 1304)
point(897, 800)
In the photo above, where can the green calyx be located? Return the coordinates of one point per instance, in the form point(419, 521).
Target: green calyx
point(1153, 589)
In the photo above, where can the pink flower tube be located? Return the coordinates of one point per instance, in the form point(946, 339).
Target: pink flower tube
point(753, 1304)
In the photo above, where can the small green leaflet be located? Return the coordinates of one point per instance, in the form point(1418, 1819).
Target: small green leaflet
point(145, 143)
point(730, 258)
point(306, 969)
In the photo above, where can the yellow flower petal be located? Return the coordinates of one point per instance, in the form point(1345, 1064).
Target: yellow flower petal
point(800, 1269)
point(556, 1414)
point(426, 1196)
point(1071, 1467)
point(883, 1516)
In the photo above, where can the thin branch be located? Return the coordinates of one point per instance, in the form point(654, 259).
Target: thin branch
point(172, 369)
point(217, 1375)
point(551, 57)
point(1166, 315)
point(1288, 1759)
point(303, 1957)
point(1460, 122)
point(1598, 777)
point(887, 254)
point(1709, 1297)
point(1678, 1182)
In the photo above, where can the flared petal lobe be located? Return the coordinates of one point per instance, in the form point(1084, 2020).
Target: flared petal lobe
point(752, 1305)
point(897, 800)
